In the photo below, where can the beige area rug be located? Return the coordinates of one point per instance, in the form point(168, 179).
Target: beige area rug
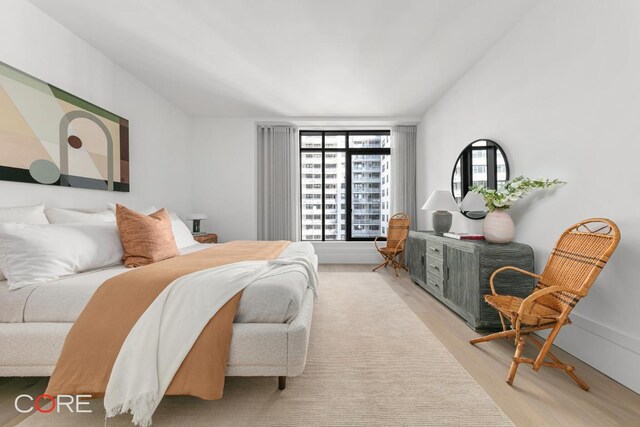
point(371, 362)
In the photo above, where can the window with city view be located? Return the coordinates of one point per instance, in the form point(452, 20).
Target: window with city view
point(345, 184)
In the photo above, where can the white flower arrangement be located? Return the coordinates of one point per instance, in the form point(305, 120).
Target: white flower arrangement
point(512, 191)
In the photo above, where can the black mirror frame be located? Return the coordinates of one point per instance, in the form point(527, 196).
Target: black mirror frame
point(475, 215)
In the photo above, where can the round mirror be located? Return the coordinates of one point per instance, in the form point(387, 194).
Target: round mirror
point(482, 162)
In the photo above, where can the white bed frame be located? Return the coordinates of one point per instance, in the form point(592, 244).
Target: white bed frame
point(257, 349)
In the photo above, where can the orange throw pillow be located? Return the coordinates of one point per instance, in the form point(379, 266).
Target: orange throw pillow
point(145, 238)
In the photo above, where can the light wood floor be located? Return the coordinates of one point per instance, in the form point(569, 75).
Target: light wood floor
point(544, 398)
point(548, 397)
point(10, 388)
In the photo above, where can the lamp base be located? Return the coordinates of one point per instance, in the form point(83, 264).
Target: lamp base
point(196, 226)
point(442, 221)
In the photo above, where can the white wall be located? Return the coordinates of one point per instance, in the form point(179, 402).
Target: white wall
point(223, 165)
point(561, 93)
point(159, 132)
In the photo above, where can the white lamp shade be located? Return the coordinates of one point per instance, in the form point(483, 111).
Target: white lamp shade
point(472, 202)
point(441, 200)
point(193, 216)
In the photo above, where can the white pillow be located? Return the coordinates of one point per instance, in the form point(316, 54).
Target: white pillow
point(181, 232)
point(72, 216)
point(147, 211)
point(40, 253)
point(24, 214)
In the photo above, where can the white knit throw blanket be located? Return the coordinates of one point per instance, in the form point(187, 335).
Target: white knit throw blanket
point(163, 336)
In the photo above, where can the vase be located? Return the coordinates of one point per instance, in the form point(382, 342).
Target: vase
point(498, 227)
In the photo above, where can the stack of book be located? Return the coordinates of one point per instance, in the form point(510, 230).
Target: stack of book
point(464, 236)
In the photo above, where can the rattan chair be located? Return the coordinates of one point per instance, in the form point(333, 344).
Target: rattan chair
point(397, 233)
point(574, 264)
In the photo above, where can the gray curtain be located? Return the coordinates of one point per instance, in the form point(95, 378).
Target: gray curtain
point(277, 178)
point(403, 171)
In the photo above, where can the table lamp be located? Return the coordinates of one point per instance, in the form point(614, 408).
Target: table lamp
point(473, 206)
point(441, 202)
point(196, 218)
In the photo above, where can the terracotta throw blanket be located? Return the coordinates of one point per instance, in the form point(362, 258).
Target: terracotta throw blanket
point(93, 344)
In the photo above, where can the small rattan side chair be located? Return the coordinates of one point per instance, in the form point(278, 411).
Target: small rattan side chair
point(397, 233)
point(573, 266)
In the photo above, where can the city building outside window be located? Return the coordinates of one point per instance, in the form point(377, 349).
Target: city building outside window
point(352, 167)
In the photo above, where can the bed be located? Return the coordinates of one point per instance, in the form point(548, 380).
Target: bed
point(270, 331)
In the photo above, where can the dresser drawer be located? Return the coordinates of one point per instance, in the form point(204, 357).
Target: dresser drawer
point(434, 267)
point(435, 249)
point(435, 283)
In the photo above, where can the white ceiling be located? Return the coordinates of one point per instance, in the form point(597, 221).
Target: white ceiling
point(293, 58)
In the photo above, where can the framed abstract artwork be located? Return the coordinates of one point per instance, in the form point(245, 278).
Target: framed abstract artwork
point(48, 136)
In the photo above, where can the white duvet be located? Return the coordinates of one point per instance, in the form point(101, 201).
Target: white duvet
point(273, 299)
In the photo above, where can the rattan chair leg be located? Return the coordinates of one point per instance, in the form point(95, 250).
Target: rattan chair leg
point(546, 346)
point(504, 325)
point(516, 359)
point(583, 385)
point(559, 364)
point(508, 334)
point(399, 267)
point(504, 334)
point(384, 264)
point(398, 261)
point(396, 264)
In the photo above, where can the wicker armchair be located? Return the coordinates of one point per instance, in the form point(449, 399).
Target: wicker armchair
point(573, 266)
point(396, 237)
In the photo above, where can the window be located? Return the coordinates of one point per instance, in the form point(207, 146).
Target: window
point(350, 167)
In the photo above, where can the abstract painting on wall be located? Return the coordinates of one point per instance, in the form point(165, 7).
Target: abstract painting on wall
point(48, 136)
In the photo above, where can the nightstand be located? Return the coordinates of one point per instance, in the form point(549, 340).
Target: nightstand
point(206, 238)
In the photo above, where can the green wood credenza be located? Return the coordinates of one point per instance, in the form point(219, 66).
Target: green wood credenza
point(457, 273)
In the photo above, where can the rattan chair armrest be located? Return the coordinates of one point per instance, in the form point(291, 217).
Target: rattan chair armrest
point(399, 245)
point(501, 269)
point(537, 294)
point(375, 242)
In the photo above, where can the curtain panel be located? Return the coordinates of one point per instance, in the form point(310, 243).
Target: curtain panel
point(277, 180)
point(403, 171)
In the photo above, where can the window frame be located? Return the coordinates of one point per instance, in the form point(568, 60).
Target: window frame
point(349, 152)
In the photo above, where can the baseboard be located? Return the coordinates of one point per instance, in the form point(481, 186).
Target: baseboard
point(347, 253)
point(612, 352)
point(605, 332)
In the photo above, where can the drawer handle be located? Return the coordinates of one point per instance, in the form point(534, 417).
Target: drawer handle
point(434, 284)
point(435, 249)
point(435, 267)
